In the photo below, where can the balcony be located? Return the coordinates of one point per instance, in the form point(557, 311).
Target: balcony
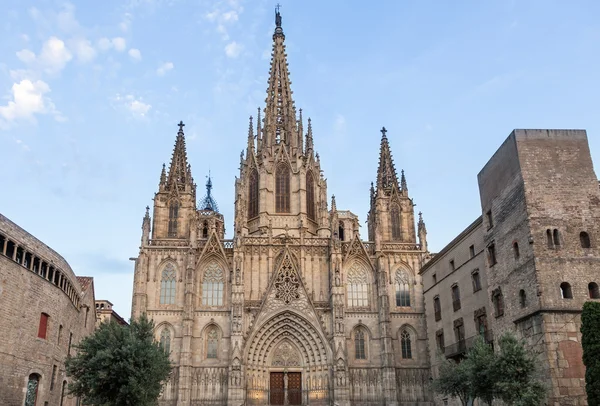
point(462, 346)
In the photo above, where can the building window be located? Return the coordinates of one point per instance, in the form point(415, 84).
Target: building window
point(452, 267)
point(53, 378)
point(253, 194)
point(516, 252)
point(492, 254)
point(565, 291)
point(498, 300)
point(406, 345)
point(523, 298)
point(212, 343)
point(43, 327)
point(396, 226)
point(455, 297)
point(584, 239)
point(212, 285)
point(359, 344)
point(70, 341)
point(341, 234)
point(476, 279)
point(593, 290)
point(282, 189)
point(173, 215)
point(402, 289)
point(358, 286)
point(459, 332)
point(481, 322)
point(549, 240)
point(471, 251)
point(32, 390)
point(310, 196)
point(489, 218)
point(434, 277)
point(63, 392)
point(439, 339)
point(167, 285)
point(60, 329)
point(165, 340)
point(437, 308)
point(205, 230)
point(556, 237)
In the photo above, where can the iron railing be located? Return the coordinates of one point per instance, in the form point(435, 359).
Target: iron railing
point(316, 397)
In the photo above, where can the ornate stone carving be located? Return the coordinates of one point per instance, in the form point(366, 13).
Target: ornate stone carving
point(285, 356)
point(287, 283)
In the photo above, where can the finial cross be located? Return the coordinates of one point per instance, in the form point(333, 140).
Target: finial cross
point(181, 125)
point(383, 131)
point(277, 7)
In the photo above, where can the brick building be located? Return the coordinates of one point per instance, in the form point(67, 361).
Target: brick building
point(535, 249)
point(106, 313)
point(44, 310)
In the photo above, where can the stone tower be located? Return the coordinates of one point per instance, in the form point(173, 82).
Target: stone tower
point(295, 309)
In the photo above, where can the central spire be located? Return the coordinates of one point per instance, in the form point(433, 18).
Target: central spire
point(280, 112)
point(179, 172)
point(386, 173)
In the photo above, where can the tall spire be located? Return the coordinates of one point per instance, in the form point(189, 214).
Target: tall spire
point(309, 138)
point(258, 132)
point(208, 202)
point(386, 173)
point(403, 181)
point(280, 113)
point(179, 172)
point(250, 148)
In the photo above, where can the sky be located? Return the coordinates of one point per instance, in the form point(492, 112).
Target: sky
point(91, 92)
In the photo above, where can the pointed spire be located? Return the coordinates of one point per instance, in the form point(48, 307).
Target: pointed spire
point(403, 186)
point(386, 173)
point(163, 176)
point(208, 202)
point(333, 204)
point(309, 138)
point(280, 113)
point(258, 131)
point(146, 227)
point(250, 148)
point(300, 132)
point(179, 176)
point(422, 232)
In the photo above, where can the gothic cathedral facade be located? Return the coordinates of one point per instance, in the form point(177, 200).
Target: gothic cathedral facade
point(295, 309)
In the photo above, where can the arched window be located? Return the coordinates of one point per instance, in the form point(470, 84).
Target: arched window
point(253, 194)
point(593, 290)
point(358, 286)
point(395, 219)
point(167, 285)
point(310, 196)
point(173, 215)
point(212, 343)
point(205, 230)
point(556, 237)
point(63, 392)
point(584, 239)
point(437, 308)
point(32, 390)
point(406, 344)
point(341, 233)
point(402, 288)
point(523, 298)
point(565, 291)
point(516, 252)
point(212, 285)
point(165, 340)
point(498, 300)
point(359, 344)
point(282, 189)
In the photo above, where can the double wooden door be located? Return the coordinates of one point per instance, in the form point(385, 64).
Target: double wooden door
point(277, 390)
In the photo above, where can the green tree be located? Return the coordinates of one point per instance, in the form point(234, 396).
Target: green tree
point(482, 373)
point(516, 375)
point(453, 380)
point(119, 365)
point(590, 341)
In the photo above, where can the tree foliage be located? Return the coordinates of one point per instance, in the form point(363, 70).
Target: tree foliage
point(119, 365)
point(510, 374)
point(590, 341)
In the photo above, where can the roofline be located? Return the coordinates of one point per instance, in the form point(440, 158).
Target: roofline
point(478, 221)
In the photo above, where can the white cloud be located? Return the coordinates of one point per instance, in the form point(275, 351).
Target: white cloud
point(135, 54)
point(28, 99)
point(119, 44)
point(233, 49)
point(230, 16)
point(125, 24)
point(134, 104)
point(164, 68)
point(83, 49)
point(104, 44)
point(27, 56)
point(54, 56)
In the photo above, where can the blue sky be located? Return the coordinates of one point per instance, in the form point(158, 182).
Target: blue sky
point(90, 94)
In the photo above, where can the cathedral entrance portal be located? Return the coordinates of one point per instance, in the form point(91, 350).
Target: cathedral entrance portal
point(285, 388)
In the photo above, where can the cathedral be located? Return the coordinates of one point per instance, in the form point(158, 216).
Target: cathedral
point(296, 308)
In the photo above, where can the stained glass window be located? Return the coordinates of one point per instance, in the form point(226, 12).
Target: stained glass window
point(167, 285)
point(212, 285)
point(358, 286)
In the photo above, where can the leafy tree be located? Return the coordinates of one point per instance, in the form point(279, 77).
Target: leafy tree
point(590, 332)
point(517, 382)
point(119, 365)
point(453, 380)
point(482, 373)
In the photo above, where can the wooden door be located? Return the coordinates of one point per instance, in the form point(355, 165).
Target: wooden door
point(276, 389)
point(295, 388)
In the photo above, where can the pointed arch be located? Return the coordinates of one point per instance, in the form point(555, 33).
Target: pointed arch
point(213, 281)
point(282, 188)
point(402, 281)
point(167, 284)
point(361, 337)
point(406, 344)
point(396, 222)
point(358, 285)
point(253, 194)
point(173, 216)
point(310, 196)
point(165, 339)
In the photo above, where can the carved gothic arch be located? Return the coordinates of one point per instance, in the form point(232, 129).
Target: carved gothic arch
point(285, 353)
point(357, 250)
point(410, 328)
point(201, 268)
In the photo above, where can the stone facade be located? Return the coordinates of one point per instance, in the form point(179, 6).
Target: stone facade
point(296, 307)
point(105, 313)
point(536, 246)
point(44, 310)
